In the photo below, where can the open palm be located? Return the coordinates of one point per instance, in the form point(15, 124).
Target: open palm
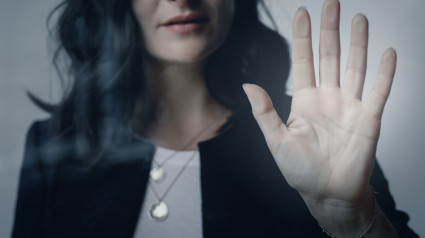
point(327, 148)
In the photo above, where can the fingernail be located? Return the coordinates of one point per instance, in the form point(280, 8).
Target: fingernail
point(331, 12)
point(302, 8)
point(302, 26)
point(360, 23)
point(390, 52)
point(251, 98)
point(390, 55)
point(244, 85)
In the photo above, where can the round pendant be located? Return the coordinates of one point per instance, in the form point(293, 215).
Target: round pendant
point(158, 211)
point(157, 175)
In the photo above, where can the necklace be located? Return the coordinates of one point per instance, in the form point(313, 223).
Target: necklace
point(157, 174)
point(159, 211)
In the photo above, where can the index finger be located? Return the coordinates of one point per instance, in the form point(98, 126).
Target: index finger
point(302, 52)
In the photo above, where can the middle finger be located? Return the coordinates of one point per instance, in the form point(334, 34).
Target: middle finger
point(330, 49)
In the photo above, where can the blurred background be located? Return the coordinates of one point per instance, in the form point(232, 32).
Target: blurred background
point(25, 64)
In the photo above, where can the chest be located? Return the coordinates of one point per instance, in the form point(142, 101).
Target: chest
point(243, 194)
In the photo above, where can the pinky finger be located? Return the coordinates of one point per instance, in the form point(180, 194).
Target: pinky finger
point(382, 86)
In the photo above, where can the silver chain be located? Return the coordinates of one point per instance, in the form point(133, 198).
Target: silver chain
point(219, 116)
point(175, 179)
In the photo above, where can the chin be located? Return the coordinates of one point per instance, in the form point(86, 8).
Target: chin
point(185, 58)
point(194, 52)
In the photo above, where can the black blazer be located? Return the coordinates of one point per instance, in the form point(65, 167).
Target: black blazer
point(243, 192)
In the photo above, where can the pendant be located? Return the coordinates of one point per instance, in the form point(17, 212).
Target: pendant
point(158, 211)
point(157, 174)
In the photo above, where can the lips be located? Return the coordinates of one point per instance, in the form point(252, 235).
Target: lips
point(186, 24)
point(191, 18)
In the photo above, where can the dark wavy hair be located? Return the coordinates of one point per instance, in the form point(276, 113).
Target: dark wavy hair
point(102, 44)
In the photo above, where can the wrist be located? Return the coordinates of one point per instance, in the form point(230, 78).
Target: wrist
point(343, 219)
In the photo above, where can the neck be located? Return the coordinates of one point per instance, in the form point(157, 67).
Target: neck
point(180, 86)
point(184, 105)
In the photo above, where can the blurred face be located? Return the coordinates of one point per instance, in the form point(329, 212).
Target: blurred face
point(183, 31)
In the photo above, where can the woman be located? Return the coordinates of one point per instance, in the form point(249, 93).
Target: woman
point(163, 78)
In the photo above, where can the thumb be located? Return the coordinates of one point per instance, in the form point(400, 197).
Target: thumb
point(265, 114)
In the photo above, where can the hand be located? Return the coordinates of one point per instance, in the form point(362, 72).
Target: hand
point(327, 148)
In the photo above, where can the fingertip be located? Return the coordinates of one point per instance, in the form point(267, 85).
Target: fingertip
point(332, 2)
point(391, 52)
point(390, 56)
point(302, 8)
point(256, 95)
point(360, 22)
point(301, 27)
point(331, 9)
point(250, 87)
point(246, 87)
point(251, 90)
point(360, 14)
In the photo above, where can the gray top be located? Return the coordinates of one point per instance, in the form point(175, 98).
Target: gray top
point(183, 199)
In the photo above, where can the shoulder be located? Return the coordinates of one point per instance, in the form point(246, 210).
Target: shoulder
point(42, 131)
point(45, 143)
point(49, 145)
